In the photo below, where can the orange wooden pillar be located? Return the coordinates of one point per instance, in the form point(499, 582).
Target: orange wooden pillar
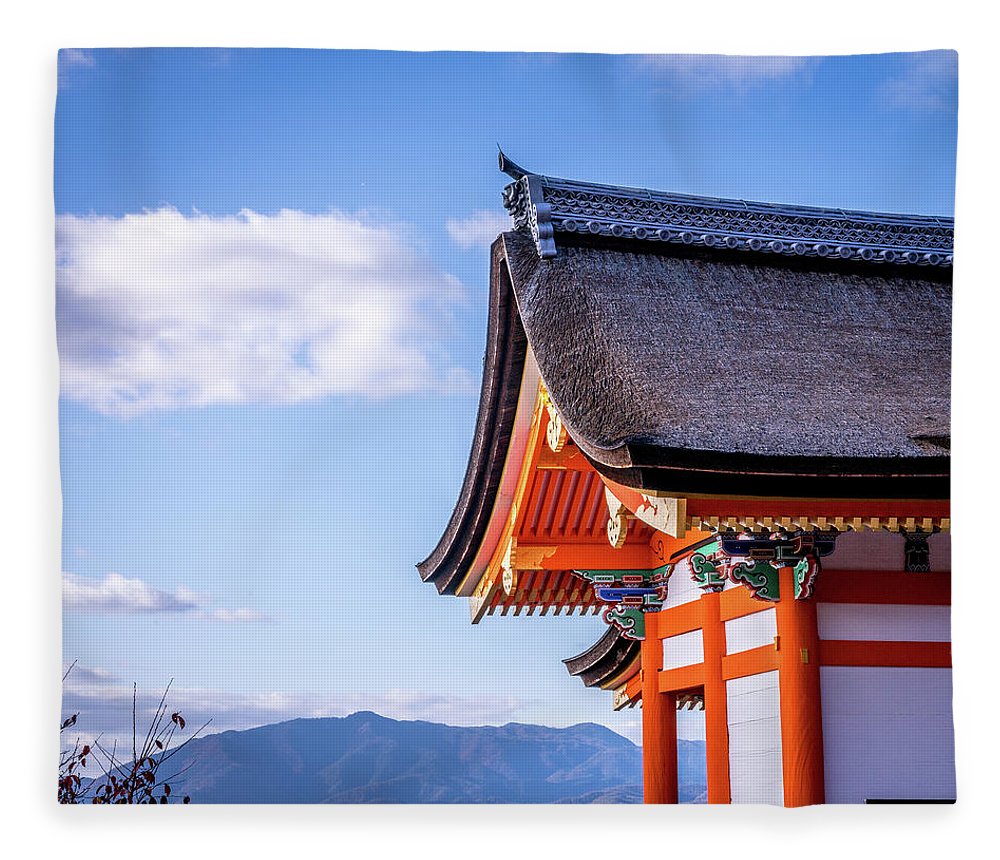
point(659, 723)
point(716, 712)
point(801, 708)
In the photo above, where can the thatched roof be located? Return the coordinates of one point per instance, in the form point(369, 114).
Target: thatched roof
point(752, 372)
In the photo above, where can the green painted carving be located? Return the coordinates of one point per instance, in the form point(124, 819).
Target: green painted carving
point(759, 576)
point(806, 571)
point(706, 573)
point(630, 620)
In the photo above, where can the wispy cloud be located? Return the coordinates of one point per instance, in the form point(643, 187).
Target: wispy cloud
point(70, 59)
point(106, 707)
point(117, 593)
point(928, 82)
point(479, 229)
point(237, 615)
point(692, 74)
point(161, 310)
point(89, 676)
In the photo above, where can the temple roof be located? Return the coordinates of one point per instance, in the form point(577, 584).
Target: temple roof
point(797, 353)
point(606, 660)
point(551, 207)
point(743, 375)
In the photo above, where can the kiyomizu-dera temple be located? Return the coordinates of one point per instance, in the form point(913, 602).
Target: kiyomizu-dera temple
point(725, 426)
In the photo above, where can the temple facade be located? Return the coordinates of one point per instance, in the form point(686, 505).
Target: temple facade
point(725, 427)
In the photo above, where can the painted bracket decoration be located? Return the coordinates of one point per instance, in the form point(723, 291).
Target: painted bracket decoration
point(667, 514)
point(754, 560)
point(761, 577)
point(706, 571)
point(508, 566)
point(617, 520)
point(806, 570)
point(555, 430)
point(629, 595)
point(917, 552)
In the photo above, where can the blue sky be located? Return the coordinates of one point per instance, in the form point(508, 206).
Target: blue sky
point(272, 310)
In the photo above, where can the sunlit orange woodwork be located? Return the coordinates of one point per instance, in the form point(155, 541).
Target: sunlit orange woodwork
point(801, 713)
point(659, 725)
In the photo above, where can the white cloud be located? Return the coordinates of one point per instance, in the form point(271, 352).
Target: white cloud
point(90, 676)
point(928, 82)
point(73, 58)
point(694, 73)
point(69, 57)
point(117, 593)
point(106, 708)
point(236, 615)
point(160, 310)
point(479, 229)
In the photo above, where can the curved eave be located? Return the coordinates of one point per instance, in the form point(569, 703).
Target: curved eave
point(503, 367)
point(605, 660)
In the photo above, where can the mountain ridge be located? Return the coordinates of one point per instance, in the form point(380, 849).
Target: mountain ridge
point(369, 758)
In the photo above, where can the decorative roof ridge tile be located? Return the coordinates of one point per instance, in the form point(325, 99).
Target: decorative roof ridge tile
point(547, 206)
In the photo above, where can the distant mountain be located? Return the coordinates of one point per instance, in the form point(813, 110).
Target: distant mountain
point(367, 758)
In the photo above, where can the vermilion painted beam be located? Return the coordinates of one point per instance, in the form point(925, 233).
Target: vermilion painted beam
point(588, 556)
point(570, 458)
point(737, 602)
point(751, 662)
point(633, 687)
point(847, 508)
point(877, 586)
point(679, 619)
point(683, 678)
point(928, 655)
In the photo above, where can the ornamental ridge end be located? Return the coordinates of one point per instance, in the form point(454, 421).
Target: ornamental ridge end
point(547, 206)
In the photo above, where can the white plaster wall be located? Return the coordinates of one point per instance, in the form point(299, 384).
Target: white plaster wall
point(866, 551)
point(940, 546)
point(884, 622)
point(681, 588)
point(751, 631)
point(755, 739)
point(887, 733)
point(687, 649)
